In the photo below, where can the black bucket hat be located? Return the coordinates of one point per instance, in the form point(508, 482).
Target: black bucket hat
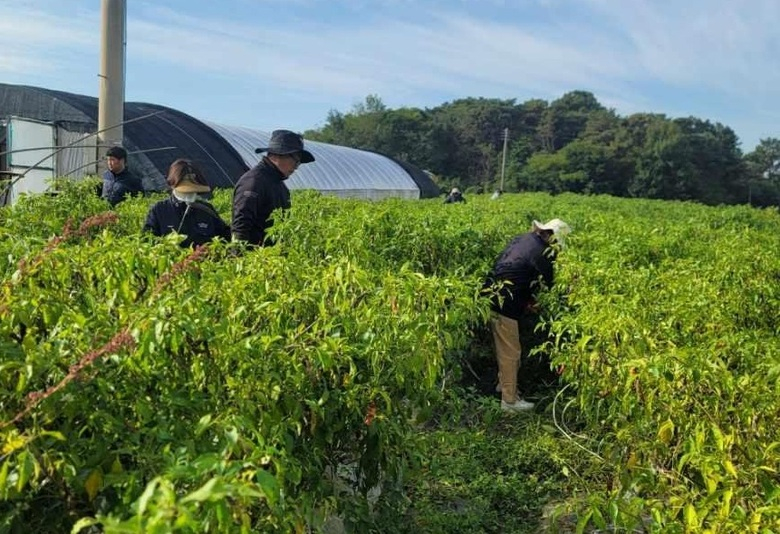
point(285, 142)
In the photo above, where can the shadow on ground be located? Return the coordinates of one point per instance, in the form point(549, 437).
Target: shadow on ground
point(536, 380)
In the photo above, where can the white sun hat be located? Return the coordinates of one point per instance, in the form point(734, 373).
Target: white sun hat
point(559, 228)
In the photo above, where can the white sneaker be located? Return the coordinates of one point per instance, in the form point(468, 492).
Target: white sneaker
point(518, 406)
point(498, 387)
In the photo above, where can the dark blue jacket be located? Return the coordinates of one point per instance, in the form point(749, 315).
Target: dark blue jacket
point(524, 260)
point(199, 221)
point(257, 194)
point(116, 187)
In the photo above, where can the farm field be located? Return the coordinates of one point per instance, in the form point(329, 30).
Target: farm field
point(343, 377)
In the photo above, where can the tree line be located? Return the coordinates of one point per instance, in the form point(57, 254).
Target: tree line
point(571, 144)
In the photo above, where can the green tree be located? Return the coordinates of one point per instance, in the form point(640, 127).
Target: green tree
point(372, 104)
point(689, 159)
point(628, 144)
point(357, 128)
point(580, 167)
point(524, 141)
point(543, 173)
point(565, 118)
point(404, 134)
point(573, 143)
point(588, 167)
point(468, 137)
point(762, 174)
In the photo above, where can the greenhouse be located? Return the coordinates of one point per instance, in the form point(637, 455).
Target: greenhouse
point(46, 133)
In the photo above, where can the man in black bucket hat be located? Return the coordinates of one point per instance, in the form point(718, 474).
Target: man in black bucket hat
point(261, 189)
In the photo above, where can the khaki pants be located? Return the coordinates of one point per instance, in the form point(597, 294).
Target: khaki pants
point(506, 337)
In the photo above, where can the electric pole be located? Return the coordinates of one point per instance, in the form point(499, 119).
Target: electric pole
point(503, 158)
point(111, 97)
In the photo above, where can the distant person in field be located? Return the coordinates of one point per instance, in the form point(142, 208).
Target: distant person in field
point(454, 196)
point(186, 211)
point(118, 181)
point(261, 189)
point(522, 269)
point(496, 194)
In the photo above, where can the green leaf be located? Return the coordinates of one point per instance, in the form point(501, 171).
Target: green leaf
point(93, 483)
point(203, 424)
point(269, 485)
point(730, 468)
point(83, 523)
point(666, 432)
point(582, 522)
point(54, 434)
point(143, 500)
point(116, 466)
point(210, 491)
point(4, 479)
point(232, 435)
point(690, 517)
point(13, 443)
point(26, 466)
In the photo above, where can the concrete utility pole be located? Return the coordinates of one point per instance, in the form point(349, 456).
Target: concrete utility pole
point(503, 158)
point(111, 98)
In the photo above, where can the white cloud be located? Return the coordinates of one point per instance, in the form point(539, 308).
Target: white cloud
point(724, 45)
point(643, 55)
point(450, 53)
point(36, 42)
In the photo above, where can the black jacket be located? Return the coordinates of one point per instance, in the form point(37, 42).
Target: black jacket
point(201, 224)
point(526, 258)
point(257, 194)
point(454, 197)
point(116, 187)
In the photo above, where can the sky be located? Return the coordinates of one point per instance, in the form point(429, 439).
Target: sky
point(268, 64)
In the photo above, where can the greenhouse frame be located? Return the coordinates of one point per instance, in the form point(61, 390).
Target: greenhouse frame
point(46, 133)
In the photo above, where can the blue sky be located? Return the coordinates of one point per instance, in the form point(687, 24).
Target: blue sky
point(269, 64)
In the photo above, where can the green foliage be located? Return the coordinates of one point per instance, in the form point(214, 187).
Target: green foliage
point(763, 173)
point(494, 475)
point(668, 333)
point(150, 388)
point(572, 144)
point(689, 159)
point(144, 382)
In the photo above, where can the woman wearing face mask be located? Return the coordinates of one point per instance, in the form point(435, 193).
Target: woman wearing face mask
point(185, 211)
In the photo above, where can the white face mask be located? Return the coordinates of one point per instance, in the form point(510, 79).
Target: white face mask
point(186, 197)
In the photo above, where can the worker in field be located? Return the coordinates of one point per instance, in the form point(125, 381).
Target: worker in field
point(261, 189)
point(455, 196)
point(118, 181)
point(522, 269)
point(187, 211)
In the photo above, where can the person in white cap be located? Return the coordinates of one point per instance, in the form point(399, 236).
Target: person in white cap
point(454, 196)
point(514, 281)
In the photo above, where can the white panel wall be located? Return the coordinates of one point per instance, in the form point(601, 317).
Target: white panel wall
point(37, 163)
point(35, 181)
point(79, 159)
point(23, 134)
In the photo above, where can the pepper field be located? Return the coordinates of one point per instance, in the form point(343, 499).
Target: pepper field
point(148, 388)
